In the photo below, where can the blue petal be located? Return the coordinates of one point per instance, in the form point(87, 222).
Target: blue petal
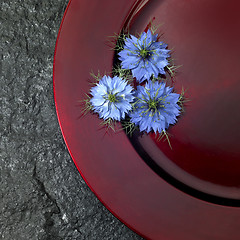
point(130, 62)
point(97, 101)
point(115, 113)
point(172, 98)
point(149, 38)
point(142, 37)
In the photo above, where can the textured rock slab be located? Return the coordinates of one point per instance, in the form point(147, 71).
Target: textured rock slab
point(42, 195)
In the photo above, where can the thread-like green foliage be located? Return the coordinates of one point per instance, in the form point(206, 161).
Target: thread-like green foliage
point(116, 43)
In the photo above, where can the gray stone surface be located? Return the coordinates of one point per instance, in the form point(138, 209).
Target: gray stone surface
point(42, 195)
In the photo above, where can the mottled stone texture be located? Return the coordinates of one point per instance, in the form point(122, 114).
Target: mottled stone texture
point(42, 195)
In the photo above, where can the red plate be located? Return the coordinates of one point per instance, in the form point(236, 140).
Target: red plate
point(192, 191)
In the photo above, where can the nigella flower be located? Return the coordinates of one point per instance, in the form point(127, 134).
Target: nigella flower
point(144, 56)
point(155, 107)
point(111, 98)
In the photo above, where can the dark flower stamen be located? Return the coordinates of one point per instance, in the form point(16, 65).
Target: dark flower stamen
point(144, 53)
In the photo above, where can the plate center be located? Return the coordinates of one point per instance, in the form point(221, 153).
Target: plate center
point(205, 37)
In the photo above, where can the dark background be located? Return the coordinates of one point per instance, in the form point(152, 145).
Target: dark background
point(42, 195)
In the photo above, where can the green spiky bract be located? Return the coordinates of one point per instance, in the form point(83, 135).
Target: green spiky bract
point(96, 77)
point(172, 70)
point(122, 73)
point(109, 124)
point(162, 135)
point(86, 106)
point(182, 99)
point(116, 41)
point(128, 127)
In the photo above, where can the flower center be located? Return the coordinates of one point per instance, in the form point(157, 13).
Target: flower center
point(152, 104)
point(144, 53)
point(112, 97)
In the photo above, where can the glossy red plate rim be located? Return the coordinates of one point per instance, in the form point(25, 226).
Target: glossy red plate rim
point(79, 167)
point(61, 128)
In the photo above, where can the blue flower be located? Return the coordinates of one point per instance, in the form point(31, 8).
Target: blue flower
point(144, 56)
point(111, 98)
point(155, 107)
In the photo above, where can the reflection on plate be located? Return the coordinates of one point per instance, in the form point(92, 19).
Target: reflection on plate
point(205, 159)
